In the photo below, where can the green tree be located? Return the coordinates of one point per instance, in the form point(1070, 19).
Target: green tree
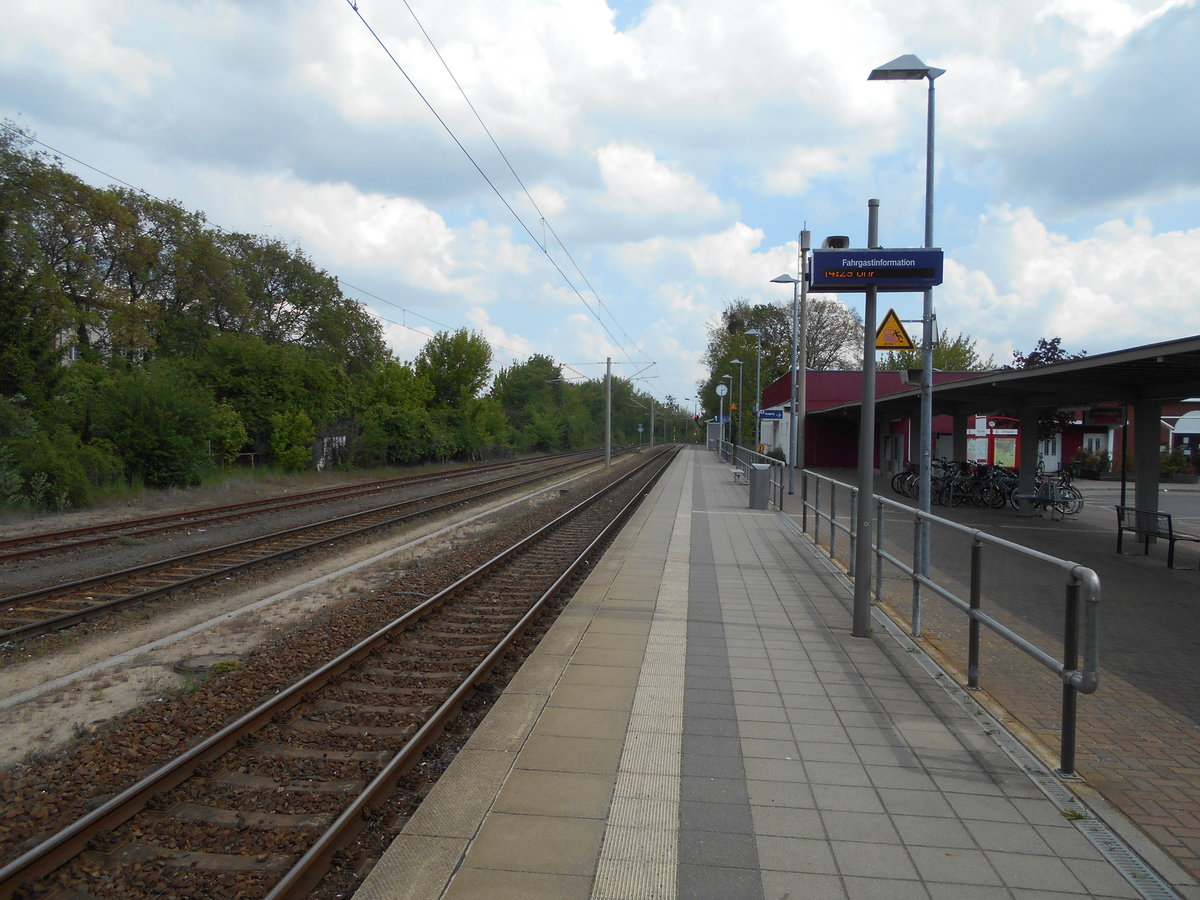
point(833, 335)
point(833, 340)
point(532, 394)
point(456, 364)
point(955, 354)
point(261, 379)
point(292, 436)
point(229, 433)
point(396, 425)
point(1044, 353)
point(33, 310)
point(160, 420)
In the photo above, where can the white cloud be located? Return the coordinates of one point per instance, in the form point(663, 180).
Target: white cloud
point(635, 180)
point(79, 36)
point(1122, 285)
point(506, 346)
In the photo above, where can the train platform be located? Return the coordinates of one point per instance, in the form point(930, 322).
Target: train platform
point(700, 723)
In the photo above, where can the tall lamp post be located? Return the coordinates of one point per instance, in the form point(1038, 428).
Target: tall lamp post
point(799, 362)
point(728, 387)
point(757, 386)
point(910, 68)
point(737, 438)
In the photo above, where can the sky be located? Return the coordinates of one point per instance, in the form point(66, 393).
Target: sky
point(587, 180)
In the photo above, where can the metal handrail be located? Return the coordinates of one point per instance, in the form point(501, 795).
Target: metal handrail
point(741, 455)
point(1081, 637)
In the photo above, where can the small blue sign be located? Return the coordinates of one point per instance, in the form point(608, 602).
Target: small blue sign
point(853, 271)
point(770, 413)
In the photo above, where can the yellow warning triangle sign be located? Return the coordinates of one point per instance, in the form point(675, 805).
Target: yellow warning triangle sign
point(891, 334)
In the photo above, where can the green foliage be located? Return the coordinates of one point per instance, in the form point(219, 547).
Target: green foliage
point(1045, 353)
point(1175, 463)
point(161, 420)
point(259, 380)
point(56, 471)
point(955, 354)
point(229, 433)
point(456, 365)
point(292, 435)
point(833, 339)
point(138, 342)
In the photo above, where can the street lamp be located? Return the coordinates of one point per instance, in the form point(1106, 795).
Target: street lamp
point(728, 387)
point(799, 362)
point(910, 68)
point(757, 386)
point(737, 438)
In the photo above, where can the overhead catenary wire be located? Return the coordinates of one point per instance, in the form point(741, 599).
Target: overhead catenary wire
point(491, 184)
point(532, 202)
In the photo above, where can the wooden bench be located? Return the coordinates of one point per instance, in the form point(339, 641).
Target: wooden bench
point(1151, 524)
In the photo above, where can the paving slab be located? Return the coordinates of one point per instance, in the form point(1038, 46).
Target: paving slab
point(705, 725)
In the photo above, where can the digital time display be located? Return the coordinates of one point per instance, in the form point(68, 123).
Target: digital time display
point(909, 273)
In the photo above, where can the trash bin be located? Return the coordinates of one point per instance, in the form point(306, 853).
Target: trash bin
point(760, 485)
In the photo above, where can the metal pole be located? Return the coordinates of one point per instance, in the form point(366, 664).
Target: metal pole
point(741, 426)
point(758, 393)
point(925, 476)
point(792, 457)
point(973, 624)
point(608, 412)
point(721, 424)
point(802, 362)
point(866, 448)
point(1070, 696)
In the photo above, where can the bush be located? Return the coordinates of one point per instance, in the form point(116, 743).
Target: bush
point(1173, 463)
point(292, 434)
point(56, 471)
point(162, 421)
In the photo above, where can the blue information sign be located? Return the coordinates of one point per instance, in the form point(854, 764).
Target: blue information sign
point(853, 271)
point(770, 413)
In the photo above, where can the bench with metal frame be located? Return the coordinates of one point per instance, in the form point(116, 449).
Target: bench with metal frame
point(739, 475)
point(1151, 524)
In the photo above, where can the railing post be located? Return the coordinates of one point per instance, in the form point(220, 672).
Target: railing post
point(853, 533)
point(973, 623)
point(879, 553)
point(918, 544)
point(1070, 695)
point(817, 514)
point(804, 500)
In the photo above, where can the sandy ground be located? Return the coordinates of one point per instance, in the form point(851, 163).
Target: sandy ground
point(48, 700)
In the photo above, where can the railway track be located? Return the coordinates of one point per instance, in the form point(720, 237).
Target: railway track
point(63, 540)
point(52, 608)
point(263, 806)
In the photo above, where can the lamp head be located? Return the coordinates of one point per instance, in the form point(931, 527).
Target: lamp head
point(785, 279)
point(753, 331)
point(905, 68)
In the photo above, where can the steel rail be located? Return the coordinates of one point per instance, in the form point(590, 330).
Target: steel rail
point(70, 841)
point(312, 867)
point(66, 620)
point(157, 524)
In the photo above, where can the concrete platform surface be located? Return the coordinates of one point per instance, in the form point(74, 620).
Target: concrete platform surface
point(700, 723)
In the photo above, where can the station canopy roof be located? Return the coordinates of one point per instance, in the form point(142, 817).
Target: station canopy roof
point(1166, 372)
